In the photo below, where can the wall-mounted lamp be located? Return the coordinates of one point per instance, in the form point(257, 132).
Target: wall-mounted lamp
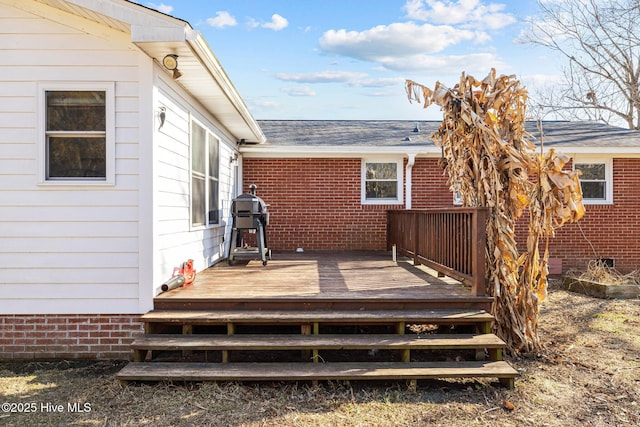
point(170, 62)
point(233, 159)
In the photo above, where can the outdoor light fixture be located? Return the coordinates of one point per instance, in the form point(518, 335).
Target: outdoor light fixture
point(170, 62)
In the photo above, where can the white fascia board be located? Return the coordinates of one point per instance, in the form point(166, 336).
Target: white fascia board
point(284, 151)
point(335, 151)
point(611, 151)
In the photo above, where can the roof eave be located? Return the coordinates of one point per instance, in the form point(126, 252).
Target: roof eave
point(158, 34)
point(335, 151)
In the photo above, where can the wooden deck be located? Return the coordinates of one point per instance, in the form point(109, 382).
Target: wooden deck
point(249, 322)
point(330, 280)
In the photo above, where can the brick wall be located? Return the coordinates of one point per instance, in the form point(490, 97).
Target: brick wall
point(430, 189)
point(606, 231)
point(315, 204)
point(48, 336)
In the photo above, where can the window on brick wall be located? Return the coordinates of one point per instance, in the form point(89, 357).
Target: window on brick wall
point(382, 182)
point(596, 180)
point(205, 160)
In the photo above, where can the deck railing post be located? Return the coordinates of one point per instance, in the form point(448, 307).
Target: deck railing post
point(390, 237)
point(479, 244)
point(416, 238)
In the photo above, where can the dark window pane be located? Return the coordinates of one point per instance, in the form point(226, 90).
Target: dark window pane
point(213, 158)
point(197, 200)
point(76, 111)
point(595, 171)
point(381, 190)
point(76, 157)
point(382, 170)
point(198, 150)
point(593, 190)
point(213, 201)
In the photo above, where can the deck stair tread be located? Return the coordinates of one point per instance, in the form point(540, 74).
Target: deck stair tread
point(179, 371)
point(269, 316)
point(326, 342)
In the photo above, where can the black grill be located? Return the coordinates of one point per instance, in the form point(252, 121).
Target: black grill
point(249, 215)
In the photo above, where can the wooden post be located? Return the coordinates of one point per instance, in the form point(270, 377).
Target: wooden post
point(416, 238)
point(187, 330)
point(305, 329)
point(479, 245)
point(405, 354)
point(231, 330)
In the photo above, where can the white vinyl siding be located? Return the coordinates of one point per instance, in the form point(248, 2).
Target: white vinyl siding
point(66, 247)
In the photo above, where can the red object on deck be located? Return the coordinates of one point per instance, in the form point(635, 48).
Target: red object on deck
point(188, 272)
point(183, 276)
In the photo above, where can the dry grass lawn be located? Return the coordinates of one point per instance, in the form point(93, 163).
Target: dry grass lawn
point(587, 375)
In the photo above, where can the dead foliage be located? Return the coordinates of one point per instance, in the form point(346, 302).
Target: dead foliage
point(491, 162)
point(599, 272)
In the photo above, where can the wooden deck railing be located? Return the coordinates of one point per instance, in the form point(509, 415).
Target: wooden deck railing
point(451, 241)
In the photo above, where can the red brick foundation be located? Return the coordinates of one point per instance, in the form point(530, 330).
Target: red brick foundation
point(68, 336)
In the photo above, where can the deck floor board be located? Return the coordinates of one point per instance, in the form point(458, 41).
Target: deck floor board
point(345, 276)
point(160, 371)
point(326, 342)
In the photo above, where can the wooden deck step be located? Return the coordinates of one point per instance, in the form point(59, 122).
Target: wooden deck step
point(207, 317)
point(170, 342)
point(162, 371)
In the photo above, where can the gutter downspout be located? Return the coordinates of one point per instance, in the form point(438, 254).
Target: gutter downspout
point(409, 179)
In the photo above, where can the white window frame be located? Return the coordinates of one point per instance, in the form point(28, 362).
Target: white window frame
point(608, 171)
point(209, 137)
point(110, 132)
point(400, 183)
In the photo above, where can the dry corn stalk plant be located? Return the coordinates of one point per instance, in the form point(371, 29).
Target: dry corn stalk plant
point(491, 162)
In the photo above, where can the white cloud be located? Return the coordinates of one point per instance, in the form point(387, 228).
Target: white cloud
point(277, 23)
point(321, 77)
point(377, 82)
point(298, 91)
point(397, 39)
point(262, 104)
point(222, 19)
point(351, 79)
point(164, 8)
point(473, 14)
point(381, 94)
point(540, 81)
point(475, 63)
point(252, 23)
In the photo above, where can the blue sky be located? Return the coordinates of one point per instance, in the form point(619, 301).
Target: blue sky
point(331, 59)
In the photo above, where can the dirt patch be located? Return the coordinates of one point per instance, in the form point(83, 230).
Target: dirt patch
point(587, 375)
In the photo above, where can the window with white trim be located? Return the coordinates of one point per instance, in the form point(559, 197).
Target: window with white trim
point(382, 182)
point(205, 161)
point(596, 180)
point(78, 133)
